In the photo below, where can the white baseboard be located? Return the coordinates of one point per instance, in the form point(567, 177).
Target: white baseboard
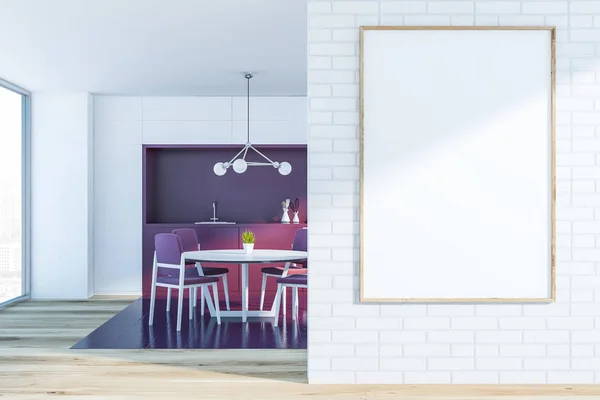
point(114, 295)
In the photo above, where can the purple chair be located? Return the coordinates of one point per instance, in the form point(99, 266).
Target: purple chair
point(294, 281)
point(300, 243)
point(168, 270)
point(189, 241)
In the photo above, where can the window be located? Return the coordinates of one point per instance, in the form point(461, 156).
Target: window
point(14, 192)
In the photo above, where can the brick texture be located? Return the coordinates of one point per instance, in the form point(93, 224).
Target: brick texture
point(351, 342)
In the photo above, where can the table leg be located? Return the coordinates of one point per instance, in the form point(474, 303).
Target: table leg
point(247, 287)
point(244, 292)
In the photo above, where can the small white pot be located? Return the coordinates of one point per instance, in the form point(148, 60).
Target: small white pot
point(248, 248)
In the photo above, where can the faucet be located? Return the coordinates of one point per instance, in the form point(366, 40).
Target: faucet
point(214, 218)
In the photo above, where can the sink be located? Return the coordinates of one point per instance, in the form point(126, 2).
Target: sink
point(213, 222)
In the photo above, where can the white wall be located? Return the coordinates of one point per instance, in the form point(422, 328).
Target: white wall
point(90, 193)
point(123, 124)
point(351, 342)
point(60, 197)
point(118, 195)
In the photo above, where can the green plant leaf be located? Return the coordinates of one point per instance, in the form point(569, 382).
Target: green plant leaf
point(248, 237)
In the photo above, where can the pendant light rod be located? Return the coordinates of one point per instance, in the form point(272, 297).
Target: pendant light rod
point(249, 76)
point(240, 152)
point(265, 157)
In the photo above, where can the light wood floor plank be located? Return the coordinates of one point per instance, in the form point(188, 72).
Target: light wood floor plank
point(36, 363)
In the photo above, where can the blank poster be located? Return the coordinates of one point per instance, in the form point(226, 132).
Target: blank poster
point(457, 164)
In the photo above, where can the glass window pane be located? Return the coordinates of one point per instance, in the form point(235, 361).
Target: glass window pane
point(11, 178)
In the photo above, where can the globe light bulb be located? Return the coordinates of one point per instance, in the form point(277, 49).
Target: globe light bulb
point(285, 168)
point(219, 169)
point(240, 166)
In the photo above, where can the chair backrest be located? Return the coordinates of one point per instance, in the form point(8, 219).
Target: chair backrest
point(300, 240)
point(301, 244)
point(168, 251)
point(188, 237)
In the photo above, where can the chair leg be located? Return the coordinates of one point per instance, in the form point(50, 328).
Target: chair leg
point(216, 300)
point(152, 300)
point(202, 300)
point(277, 303)
point(209, 301)
point(284, 294)
point(195, 296)
point(168, 299)
point(190, 302)
point(226, 290)
point(263, 288)
point(294, 300)
point(179, 307)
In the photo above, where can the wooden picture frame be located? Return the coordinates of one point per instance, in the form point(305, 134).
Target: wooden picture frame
point(383, 265)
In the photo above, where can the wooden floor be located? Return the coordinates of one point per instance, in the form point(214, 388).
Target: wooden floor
point(36, 363)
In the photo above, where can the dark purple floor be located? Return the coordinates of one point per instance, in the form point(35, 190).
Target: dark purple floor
point(129, 330)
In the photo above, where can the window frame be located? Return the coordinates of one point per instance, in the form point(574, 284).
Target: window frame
point(25, 192)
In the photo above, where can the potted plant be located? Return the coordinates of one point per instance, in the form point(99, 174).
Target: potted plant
point(248, 241)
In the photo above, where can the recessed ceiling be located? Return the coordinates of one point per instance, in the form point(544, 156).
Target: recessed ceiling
point(155, 47)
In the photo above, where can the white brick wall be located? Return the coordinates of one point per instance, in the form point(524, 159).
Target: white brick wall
point(351, 342)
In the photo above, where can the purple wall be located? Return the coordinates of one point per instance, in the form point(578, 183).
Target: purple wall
point(180, 185)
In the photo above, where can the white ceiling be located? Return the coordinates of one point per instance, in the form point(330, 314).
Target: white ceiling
point(155, 47)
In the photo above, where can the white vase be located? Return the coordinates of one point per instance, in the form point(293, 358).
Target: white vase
point(296, 220)
point(248, 248)
point(285, 218)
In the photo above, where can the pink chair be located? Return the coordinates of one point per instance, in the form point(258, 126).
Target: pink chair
point(300, 243)
point(189, 240)
point(295, 282)
point(168, 270)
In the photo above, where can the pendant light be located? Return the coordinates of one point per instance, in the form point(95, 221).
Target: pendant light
point(240, 165)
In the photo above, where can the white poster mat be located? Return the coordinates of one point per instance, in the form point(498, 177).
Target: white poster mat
point(457, 165)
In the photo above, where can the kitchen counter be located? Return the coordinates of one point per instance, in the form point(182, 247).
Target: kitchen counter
point(239, 225)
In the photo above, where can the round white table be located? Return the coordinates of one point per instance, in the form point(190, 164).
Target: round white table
point(239, 257)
